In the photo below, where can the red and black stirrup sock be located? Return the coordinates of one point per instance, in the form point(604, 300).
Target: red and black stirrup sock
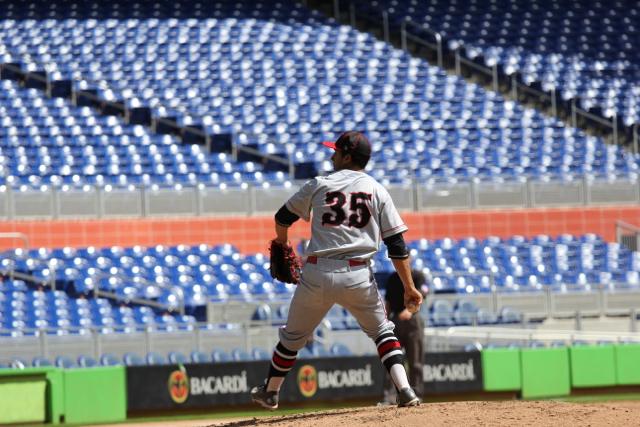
point(389, 350)
point(392, 357)
point(281, 363)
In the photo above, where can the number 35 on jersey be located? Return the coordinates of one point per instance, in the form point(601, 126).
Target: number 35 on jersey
point(356, 214)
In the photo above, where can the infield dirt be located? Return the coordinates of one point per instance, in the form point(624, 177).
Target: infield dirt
point(505, 413)
point(474, 413)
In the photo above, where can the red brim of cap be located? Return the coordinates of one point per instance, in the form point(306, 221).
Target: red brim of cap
point(329, 144)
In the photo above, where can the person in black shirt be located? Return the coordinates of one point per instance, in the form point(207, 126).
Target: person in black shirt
point(409, 330)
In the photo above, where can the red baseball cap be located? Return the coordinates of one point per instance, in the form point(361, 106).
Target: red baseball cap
point(351, 142)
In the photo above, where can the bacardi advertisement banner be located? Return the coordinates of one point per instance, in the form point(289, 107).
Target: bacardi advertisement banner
point(452, 372)
point(224, 384)
point(192, 385)
point(334, 379)
point(211, 385)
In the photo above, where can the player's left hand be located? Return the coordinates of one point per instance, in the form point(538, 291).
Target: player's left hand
point(412, 300)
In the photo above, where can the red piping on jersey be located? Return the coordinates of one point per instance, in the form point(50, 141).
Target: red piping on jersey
point(391, 229)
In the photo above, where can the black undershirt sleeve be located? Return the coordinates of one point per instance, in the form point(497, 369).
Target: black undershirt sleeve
point(396, 247)
point(285, 217)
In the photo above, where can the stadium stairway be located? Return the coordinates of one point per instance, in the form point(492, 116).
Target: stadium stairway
point(601, 90)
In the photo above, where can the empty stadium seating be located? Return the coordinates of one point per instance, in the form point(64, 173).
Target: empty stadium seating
point(584, 50)
point(188, 277)
point(49, 142)
point(198, 274)
point(280, 78)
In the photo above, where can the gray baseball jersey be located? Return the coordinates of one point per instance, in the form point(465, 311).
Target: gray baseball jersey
point(352, 213)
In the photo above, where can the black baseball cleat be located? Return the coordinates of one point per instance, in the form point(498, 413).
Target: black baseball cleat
point(264, 398)
point(407, 397)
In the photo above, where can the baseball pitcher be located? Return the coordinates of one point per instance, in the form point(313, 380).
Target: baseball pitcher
point(352, 214)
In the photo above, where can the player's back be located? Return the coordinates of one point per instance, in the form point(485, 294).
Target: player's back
point(348, 215)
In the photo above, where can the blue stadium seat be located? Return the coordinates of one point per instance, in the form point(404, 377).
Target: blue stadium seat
point(537, 344)
point(154, 358)
point(65, 362)
point(86, 361)
point(260, 354)
point(240, 355)
point(262, 313)
point(200, 357)
point(340, 349)
point(18, 363)
point(509, 315)
point(318, 350)
point(486, 318)
point(41, 361)
point(220, 356)
point(132, 359)
point(305, 353)
point(109, 359)
point(476, 346)
point(177, 358)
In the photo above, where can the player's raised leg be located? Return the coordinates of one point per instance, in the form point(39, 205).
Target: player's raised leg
point(282, 361)
point(307, 309)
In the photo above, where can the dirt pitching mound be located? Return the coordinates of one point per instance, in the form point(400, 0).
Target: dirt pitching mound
point(506, 413)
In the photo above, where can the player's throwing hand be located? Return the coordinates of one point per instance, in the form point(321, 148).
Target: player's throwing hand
point(412, 300)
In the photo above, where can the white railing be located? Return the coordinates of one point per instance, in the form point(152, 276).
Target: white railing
point(201, 200)
point(492, 334)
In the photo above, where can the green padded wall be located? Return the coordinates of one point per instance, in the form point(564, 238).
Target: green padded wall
point(53, 398)
point(545, 372)
point(23, 399)
point(501, 369)
point(592, 365)
point(627, 358)
point(95, 395)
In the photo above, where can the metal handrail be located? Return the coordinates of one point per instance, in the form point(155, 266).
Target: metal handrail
point(236, 147)
point(421, 27)
point(97, 292)
point(624, 224)
point(17, 235)
point(488, 333)
point(142, 301)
